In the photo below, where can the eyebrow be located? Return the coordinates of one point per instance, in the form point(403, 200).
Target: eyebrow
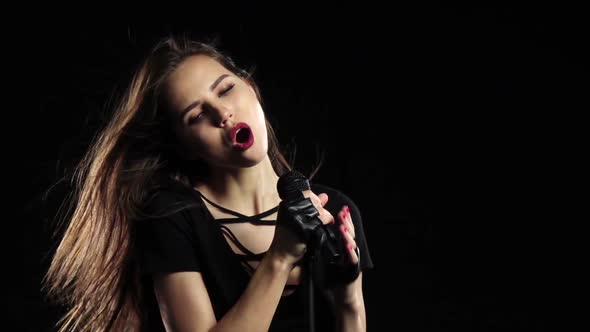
point(197, 102)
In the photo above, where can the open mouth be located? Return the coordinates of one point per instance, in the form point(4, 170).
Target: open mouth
point(242, 136)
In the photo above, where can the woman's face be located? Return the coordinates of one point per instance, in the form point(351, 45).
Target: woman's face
point(216, 114)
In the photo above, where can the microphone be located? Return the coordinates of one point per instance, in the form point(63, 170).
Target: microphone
point(327, 247)
point(291, 185)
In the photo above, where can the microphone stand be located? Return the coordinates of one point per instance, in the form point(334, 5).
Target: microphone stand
point(315, 247)
point(310, 313)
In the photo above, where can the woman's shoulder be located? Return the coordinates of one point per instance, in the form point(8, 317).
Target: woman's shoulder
point(169, 196)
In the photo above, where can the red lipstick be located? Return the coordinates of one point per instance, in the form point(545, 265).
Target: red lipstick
point(242, 136)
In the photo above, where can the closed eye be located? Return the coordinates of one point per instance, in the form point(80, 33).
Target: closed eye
point(199, 116)
point(226, 90)
point(196, 118)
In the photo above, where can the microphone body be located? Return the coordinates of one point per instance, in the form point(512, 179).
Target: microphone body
point(325, 244)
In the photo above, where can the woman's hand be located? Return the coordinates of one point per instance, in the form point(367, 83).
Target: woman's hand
point(347, 231)
point(347, 294)
point(286, 246)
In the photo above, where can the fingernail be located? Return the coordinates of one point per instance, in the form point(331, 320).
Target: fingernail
point(346, 209)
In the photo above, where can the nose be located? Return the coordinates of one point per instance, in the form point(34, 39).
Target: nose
point(222, 115)
point(226, 116)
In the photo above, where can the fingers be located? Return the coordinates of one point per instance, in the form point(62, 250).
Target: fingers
point(350, 243)
point(319, 201)
point(323, 199)
point(346, 219)
point(347, 231)
point(354, 258)
point(325, 216)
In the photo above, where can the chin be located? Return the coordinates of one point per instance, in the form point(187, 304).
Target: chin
point(245, 159)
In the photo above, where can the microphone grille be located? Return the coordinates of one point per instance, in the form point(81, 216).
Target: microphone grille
point(291, 184)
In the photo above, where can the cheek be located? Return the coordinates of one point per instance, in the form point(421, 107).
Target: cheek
point(260, 123)
point(255, 112)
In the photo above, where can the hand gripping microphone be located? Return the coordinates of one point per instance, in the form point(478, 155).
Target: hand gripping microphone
point(330, 260)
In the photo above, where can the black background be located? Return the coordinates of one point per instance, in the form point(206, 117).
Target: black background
point(456, 128)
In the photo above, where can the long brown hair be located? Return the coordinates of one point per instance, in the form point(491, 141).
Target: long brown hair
point(93, 272)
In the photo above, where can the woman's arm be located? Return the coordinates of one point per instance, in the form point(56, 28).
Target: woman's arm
point(347, 299)
point(185, 305)
point(348, 306)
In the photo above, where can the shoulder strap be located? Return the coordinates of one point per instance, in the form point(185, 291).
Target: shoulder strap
point(255, 219)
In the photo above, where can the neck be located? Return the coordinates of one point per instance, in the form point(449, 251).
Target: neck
point(249, 190)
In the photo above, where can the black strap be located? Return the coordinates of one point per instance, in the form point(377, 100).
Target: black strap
point(235, 240)
point(255, 219)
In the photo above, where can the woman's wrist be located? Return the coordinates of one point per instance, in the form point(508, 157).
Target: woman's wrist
point(349, 296)
point(278, 263)
point(349, 309)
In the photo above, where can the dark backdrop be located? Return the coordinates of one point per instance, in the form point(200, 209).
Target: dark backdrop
point(456, 128)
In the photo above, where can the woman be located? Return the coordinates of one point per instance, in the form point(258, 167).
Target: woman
point(175, 225)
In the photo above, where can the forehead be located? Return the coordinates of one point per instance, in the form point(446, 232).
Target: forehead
point(192, 79)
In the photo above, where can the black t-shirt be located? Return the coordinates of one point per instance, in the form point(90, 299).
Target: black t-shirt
point(182, 235)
